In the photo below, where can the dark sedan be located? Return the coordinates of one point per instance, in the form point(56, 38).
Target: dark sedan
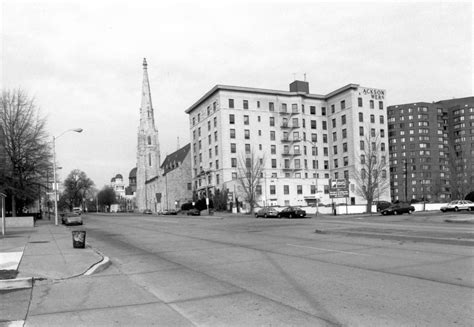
point(398, 209)
point(292, 212)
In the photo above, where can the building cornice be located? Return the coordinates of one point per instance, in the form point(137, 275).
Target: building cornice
point(243, 89)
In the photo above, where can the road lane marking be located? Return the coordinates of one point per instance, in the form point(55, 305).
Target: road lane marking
point(329, 250)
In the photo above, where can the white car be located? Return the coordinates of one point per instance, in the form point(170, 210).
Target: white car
point(458, 205)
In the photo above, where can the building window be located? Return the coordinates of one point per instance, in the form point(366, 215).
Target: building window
point(334, 148)
point(271, 106)
point(334, 123)
point(258, 104)
point(233, 162)
point(246, 119)
point(343, 104)
point(272, 189)
point(272, 121)
point(346, 161)
point(246, 104)
point(325, 138)
point(372, 119)
point(314, 137)
point(381, 119)
point(343, 119)
point(312, 110)
point(323, 111)
point(325, 125)
point(231, 103)
point(274, 163)
point(273, 149)
point(149, 140)
point(234, 175)
point(247, 134)
point(334, 136)
point(362, 145)
point(272, 135)
point(361, 117)
point(233, 148)
point(231, 119)
point(333, 108)
point(286, 189)
point(381, 105)
point(149, 159)
point(313, 124)
point(232, 133)
point(217, 164)
point(344, 147)
point(344, 133)
point(359, 102)
point(299, 189)
point(371, 102)
point(361, 131)
point(247, 148)
point(215, 121)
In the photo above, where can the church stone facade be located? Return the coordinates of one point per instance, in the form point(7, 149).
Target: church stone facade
point(159, 186)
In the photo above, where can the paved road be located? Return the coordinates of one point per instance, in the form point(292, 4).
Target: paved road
point(363, 271)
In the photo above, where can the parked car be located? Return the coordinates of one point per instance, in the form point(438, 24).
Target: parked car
point(169, 212)
point(458, 205)
point(267, 212)
point(147, 212)
point(398, 209)
point(292, 212)
point(71, 218)
point(193, 212)
point(77, 210)
point(382, 205)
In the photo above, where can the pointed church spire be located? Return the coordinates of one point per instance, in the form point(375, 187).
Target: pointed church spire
point(146, 108)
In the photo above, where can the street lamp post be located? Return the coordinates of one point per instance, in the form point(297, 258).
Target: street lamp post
point(77, 130)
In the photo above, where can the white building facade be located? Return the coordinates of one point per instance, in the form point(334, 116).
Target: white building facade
point(303, 140)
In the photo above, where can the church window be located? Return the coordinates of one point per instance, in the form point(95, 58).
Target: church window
point(149, 140)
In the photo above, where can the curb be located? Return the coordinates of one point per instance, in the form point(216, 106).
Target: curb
point(16, 284)
point(98, 267)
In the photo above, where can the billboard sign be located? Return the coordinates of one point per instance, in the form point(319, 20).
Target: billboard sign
point(338, 188)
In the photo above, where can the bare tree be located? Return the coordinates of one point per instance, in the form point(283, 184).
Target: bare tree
point(370, 174)
point(250, 170)
point(26, 146)
point(460, 170)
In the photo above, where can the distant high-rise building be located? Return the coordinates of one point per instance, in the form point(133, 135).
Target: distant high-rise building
point(431, 149)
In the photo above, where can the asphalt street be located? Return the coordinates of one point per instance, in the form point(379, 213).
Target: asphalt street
point(242, 271)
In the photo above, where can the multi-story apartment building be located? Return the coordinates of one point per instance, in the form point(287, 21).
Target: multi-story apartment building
point(302, 139)
point(431, 149)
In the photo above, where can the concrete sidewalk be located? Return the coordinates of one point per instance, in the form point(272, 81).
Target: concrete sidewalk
point(42, 252)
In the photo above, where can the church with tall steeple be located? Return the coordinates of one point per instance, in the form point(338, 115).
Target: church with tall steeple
point(159, 185)
point(148, 148)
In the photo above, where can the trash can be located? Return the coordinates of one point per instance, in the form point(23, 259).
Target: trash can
point(79, 239)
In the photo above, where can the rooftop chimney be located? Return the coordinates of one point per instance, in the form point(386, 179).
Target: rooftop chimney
point(299, 86)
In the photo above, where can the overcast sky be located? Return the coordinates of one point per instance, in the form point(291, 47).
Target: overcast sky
point(82, 61)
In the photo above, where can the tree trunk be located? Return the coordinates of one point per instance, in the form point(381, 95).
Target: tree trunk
point(13, 206)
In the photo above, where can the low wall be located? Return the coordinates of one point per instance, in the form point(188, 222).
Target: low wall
point(26, 221)
point(428, 206)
